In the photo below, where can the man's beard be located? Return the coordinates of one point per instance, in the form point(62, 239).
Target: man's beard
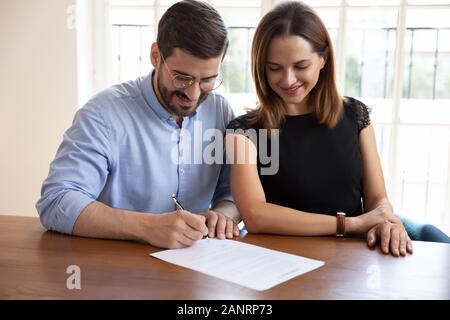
point(178, 110)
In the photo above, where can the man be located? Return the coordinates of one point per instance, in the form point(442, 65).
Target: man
point(127, 150)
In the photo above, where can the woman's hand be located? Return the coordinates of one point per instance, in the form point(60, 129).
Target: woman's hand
point(381, 224)
point(392, 236)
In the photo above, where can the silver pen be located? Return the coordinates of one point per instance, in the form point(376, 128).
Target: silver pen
point(180, 207)
point(177, 203)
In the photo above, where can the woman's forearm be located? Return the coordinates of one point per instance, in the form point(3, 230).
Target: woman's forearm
point(265, 217)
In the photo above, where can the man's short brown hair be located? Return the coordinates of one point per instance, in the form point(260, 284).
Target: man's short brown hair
point(193, 26)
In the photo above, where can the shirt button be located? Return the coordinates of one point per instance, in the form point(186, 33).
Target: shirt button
point(181, 170)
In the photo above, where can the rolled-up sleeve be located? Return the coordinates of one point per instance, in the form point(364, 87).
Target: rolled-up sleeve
point(78, 173)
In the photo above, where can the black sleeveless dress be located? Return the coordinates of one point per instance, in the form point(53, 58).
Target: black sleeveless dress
point(320, 169)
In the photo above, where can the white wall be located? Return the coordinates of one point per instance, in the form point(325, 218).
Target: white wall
point(38, 94)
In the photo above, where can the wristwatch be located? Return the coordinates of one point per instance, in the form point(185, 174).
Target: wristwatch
point(340, 227)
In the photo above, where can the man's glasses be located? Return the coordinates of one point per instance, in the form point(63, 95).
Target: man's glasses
point(183, 82)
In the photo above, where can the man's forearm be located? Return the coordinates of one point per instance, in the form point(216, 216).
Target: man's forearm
point(98, 220)
point(229, 209)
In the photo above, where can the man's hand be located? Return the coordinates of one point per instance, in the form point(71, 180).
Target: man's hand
point(175, 229)
point(220, 225)
point(393, 238)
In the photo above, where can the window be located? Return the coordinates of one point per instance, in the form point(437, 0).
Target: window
point(422, 172)
point(236, 67)
point(370, 50)
point(426, 76)
point(132, 32)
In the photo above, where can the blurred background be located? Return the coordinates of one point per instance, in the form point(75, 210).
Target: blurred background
point(394, 55)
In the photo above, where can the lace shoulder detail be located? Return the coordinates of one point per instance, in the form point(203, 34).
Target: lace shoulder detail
point(360, 112)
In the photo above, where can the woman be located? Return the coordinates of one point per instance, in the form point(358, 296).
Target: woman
point(329, 180)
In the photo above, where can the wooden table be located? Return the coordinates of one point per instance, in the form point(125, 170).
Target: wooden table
point(33, 265)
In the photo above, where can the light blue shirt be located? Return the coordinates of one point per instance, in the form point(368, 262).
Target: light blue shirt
point(126, 151)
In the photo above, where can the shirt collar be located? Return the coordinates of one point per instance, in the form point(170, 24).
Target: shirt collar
point(152, 100)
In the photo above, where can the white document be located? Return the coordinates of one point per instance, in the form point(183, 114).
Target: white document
point(241, 263)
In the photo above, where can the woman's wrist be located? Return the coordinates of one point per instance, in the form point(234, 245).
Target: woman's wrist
point(353, 225)
point(361, 224)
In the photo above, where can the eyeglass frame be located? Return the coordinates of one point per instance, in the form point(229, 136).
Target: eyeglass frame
point(188, 81)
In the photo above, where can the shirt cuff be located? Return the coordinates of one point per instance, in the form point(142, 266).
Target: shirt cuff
point(69, 208)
